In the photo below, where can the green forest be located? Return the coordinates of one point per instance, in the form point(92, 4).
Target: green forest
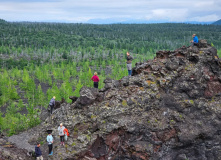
point(42, 60)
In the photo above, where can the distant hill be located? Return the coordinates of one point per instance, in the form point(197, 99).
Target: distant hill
point(2, 21)
point(137, 21)
point(217, 22)
point(119, 21)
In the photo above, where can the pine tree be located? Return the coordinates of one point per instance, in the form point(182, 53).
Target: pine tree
point(54, 91)
point(77, 89)
point(13, 93)
point(40, 97)
point(89, 82)
point(20, 104)
point(67, 74)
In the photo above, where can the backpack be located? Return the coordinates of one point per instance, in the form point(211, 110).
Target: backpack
point(66, 132)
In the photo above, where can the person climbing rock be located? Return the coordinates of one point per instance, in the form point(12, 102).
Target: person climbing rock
point(38, 153)
point(61, 133)
point(195, 40)
point(50, 141)
point(129, 64)
point(95, 78)
point(52, 104)
point(66, 134)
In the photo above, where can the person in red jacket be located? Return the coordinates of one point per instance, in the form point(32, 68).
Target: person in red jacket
point(95, 79)
point(66, 134)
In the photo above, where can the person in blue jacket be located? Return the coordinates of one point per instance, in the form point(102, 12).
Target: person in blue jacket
point(52, 104)
point(50, 141)
point(195, 40)
point(38, 153)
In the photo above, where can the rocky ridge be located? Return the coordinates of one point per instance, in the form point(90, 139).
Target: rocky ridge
point(170, 109)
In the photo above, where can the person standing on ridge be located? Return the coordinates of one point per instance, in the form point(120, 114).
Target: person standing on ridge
point(129, 64)
point(52, 104)
point(50, 141)
point(95, 78)
point(38, 153)
point(61, 133)
point(195, 40)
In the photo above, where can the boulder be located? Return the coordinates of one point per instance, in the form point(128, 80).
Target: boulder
point(89, 96)
point(203, 43)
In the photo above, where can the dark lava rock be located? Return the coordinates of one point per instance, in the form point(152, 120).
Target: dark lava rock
point(73, 98)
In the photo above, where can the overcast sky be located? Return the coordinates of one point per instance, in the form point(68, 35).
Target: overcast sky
point(84, 10)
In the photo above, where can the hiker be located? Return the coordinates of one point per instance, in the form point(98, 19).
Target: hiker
point(61, 133)
point(52, 103)
point(66, 134)
point(50, 143)
point(38, 153)
point(95, 78)
point(195, 40)
point(129, 63)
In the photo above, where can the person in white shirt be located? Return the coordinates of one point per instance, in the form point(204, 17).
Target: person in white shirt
point(61, 133)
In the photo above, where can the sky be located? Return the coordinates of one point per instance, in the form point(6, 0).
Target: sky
point(84, 11)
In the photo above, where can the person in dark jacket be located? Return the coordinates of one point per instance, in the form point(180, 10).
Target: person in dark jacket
point(52, 104)
point(38, 151)
point(195, 40)
point(95, 78)
point(129, 63)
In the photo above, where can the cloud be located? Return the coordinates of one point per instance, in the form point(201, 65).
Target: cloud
point(84, 10)
point(169, 14)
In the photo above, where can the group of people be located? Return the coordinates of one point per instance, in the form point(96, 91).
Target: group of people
point(62, 131)
point(129, 58)
point(96, 80)
point(63, 134)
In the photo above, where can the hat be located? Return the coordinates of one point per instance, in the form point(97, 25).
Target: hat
point(49, 131)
